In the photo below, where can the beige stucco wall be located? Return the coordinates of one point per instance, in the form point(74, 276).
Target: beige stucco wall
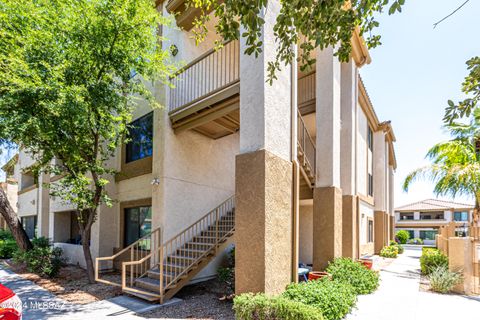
point(362, 153)
point(365, 212)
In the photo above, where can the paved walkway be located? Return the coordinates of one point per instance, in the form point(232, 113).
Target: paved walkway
point(399, 298)
point(38, 303)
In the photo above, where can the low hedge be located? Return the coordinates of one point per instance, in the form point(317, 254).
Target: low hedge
point(346, 270)
point(249, 306)
point(398, 245)
point(415, 241)
point(333, 298)
point(402, 236)
point(432, 258)
point(43, 259)
point(389, 252)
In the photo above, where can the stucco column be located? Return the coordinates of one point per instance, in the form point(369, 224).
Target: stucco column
point(380, 192)
point(327, 196)
point(263, 214)
point(349, 98)
point(43, 208)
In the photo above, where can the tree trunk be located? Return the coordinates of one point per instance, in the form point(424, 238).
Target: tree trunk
point(88, 255)
point(13, 223)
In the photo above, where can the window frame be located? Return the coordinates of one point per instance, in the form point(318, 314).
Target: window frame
point(35, 225)
point(131, 124)
point(146, 202)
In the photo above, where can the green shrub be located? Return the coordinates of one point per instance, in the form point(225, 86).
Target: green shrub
point(443, 280)
point(346, 270)
point(402, 236)
point(334, 299)
point(5, 234)
point(227, 274)
point(399, 246)
point(431, 259)
point(44, 259)
point(415, 241)
point(389, 252)
point(8, 248)
point(260, 307)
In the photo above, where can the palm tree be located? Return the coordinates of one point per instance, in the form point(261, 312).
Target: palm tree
point(455, 167)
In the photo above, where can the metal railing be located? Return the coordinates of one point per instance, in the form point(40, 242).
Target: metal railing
point(306, 146)
point(182, 252)
point(306, 89)
point(136, 251)
point(210, 73)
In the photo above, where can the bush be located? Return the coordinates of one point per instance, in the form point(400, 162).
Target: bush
point(5, 235)
point(7, 248)
point(44, 259)
point(334, 299)
point(227, 274)
point(399, 246)
point(415, 241)
point(432, 258)
point(8, 245)
point(402, 236)
point(346, 270)
point(389, 252)
point(249, 306)
point(443, 280)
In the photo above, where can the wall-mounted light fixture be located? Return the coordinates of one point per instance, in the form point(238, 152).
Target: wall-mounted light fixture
point(173, 50)
point(155, 182)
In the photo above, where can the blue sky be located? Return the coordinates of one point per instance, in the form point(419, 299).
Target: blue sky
point(413, 74)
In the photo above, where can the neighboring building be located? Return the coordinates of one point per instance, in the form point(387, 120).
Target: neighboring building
point(9, 186)
point(423, 219)
point(305, 183)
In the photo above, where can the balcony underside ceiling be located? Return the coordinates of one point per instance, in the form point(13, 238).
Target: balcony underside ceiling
point(215, 119)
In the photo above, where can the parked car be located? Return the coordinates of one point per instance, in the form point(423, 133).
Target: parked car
point(10, 304)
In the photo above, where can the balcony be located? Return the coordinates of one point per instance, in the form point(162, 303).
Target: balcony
point(205, 96)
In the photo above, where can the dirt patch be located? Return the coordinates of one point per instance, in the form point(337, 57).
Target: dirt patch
point(200, 302)
point(71, 284)
point(425, 284)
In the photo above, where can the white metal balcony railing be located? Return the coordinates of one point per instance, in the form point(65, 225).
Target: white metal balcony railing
point(210, 73)
point(306, 89)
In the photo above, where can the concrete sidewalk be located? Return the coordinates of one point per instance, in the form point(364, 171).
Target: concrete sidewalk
point(399, 297)
point(39, 303)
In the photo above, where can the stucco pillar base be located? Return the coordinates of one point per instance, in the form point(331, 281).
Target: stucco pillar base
point(327, 226)
point(263, 223)
point(380, 235)
point(460, 258)
point(349, 228)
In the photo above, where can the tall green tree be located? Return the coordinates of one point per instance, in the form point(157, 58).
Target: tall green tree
point(310, 23)
point(455, 167)
point(71, 72)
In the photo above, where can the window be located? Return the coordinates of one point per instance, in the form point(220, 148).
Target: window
point(370, 231)
point(370, 184)
point(411, 234)
point(460, 216)
point(428, 234)
point(138, 223)
point(370, 138)
point(140, 136)
point(406, 215)
point(30, 226)
point(431, 215)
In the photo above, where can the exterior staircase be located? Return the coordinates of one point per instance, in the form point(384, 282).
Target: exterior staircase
point(155, 270)
point(306, 150)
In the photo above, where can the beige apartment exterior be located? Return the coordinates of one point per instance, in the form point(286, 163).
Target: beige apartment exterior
point(298, 172)
point(423, 219)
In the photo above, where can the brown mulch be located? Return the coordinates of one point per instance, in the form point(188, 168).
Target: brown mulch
point(71, 284)
point(200, 302)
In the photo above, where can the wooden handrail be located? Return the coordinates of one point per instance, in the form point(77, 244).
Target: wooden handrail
point(305, 139)
point(136, 253)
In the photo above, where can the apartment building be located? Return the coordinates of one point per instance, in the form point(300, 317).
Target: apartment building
point(423, 219)
point(300, 171)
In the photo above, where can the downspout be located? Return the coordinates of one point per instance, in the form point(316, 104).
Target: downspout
point(295, 166)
